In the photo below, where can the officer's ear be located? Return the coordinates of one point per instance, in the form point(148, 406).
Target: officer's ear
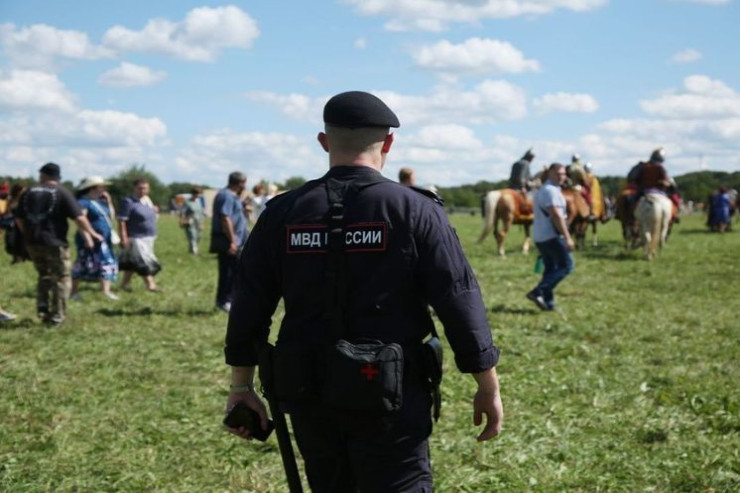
point(323, 140)
point(387, 143)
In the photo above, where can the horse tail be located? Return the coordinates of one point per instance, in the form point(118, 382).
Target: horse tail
point(488, 211)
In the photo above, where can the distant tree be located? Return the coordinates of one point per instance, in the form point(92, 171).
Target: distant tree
point(123, 183)
point(697, 186)
point(612, 185)
point(293, 182)
point(179, 187)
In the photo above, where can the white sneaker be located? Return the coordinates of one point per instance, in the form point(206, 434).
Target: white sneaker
point(6, 316)
point(111, 296)
point(75, 297)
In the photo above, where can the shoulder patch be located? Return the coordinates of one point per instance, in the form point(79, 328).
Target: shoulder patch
point(428, 193)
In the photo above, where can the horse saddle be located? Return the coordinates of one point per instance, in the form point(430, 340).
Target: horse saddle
point(523, 207)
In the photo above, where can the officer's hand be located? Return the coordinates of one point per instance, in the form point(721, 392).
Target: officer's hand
point(489, 403)
point(233, 247)
point(252, 400)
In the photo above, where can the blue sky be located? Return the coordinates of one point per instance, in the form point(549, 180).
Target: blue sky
point(197, 89)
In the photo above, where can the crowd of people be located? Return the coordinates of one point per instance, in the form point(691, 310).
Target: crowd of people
point(110, 242)
point(358, 260)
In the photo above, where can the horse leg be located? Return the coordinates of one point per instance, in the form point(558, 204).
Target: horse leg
point(527, 240)
point(647, 239)
point(584, 228)
point(501, 234)
point(596, 236)
point(488, 217)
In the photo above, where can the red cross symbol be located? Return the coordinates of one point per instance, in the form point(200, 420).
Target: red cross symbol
point(369, 371)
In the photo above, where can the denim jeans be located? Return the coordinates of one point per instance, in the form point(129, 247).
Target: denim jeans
point(558, 263)
point(226, 269)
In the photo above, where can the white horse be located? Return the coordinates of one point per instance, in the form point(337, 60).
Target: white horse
point(653, 212)
point(500, 206)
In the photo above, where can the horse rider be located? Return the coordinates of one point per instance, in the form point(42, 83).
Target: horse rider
point(650, 176)
point(578, 178)
point(521, 179)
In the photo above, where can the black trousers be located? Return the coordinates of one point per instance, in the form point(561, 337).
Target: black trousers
point(368, 455)
point(226, 270)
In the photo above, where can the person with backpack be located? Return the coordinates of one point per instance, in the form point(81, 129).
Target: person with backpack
point(42, 216)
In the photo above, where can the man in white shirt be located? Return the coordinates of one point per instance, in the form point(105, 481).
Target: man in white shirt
point(550, 234)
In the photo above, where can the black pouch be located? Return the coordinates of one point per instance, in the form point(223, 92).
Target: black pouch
point(432, 356)
point(364, 378)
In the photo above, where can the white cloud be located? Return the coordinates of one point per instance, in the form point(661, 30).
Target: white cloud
point(451, 137)
point(130, 75)
point(215, 154)
point(474, 56)
point(686, 56)
point(563, 101)
point(702, 120)
point(33, 90)
point(37, 46)
point(204, 32)
point(488, 102)
point(86, 142)
point(82, 128)
point(703, 98)
point(296, 106)
point(435, 15)
point(360, 43)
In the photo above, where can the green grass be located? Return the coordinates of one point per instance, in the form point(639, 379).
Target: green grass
point(631, 386)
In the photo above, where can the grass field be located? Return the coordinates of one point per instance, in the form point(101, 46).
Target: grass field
point(631, 386)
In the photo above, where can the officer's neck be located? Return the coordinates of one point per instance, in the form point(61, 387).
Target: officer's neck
point(369, 160)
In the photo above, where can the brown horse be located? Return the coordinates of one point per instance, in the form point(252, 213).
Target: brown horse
point(599, 212)
point(578, 216)
point(625, 214)
point(507, 207)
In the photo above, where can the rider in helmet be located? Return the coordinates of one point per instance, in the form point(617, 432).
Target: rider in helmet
point(521, 178)
point(577, 177)
point(650, 176)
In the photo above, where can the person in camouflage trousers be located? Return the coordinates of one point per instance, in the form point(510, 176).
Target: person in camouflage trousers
point(42, 216)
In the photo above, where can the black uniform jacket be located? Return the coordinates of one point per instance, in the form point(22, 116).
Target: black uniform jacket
point(402, 256)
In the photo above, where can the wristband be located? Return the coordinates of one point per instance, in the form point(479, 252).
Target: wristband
point(247, 387)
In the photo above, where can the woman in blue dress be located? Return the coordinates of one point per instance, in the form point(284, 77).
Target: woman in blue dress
point(719, 210)
point(96, 261)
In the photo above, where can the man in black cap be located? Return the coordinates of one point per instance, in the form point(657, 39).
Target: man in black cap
point(358, 258)
point(42, 217)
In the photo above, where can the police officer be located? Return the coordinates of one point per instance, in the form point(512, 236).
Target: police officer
point(401, 256)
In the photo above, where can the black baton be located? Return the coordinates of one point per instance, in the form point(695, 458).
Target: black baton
point(278, 417)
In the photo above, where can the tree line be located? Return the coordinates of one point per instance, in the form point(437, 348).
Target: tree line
point(122, 184)
point(696, 186)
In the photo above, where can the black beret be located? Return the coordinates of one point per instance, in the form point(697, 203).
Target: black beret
point(51, 170)
point(356, 109)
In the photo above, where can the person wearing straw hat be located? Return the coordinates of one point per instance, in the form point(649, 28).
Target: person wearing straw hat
point(99, 263)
